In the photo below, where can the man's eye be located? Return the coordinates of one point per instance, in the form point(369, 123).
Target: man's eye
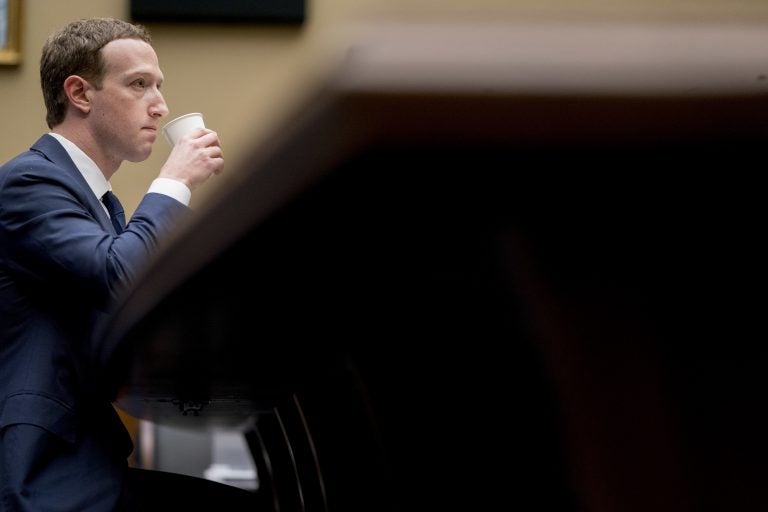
point(140, 83)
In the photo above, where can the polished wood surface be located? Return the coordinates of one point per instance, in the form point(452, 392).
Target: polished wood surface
point(457, 282)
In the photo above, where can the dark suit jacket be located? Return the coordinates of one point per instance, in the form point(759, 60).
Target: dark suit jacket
point(61, 267)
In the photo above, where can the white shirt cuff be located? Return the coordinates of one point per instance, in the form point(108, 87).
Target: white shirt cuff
point(173, 188)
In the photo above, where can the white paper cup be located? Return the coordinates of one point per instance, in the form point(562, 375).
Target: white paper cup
point(174, 129)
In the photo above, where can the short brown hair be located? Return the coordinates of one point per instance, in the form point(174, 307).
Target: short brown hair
point(76, 50)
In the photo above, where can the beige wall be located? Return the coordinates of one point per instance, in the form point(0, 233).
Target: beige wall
point(242, 77)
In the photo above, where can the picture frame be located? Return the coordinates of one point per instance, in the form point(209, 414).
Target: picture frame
point(227, 11)
point(10, 32)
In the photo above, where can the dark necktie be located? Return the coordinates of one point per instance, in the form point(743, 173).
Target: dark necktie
point(115, 209)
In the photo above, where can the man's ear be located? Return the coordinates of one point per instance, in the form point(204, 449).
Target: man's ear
point(78, 90)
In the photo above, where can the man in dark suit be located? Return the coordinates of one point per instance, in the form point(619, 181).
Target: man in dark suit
point(64, 261)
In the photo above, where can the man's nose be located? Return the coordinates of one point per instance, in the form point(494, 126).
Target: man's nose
point(158, 108)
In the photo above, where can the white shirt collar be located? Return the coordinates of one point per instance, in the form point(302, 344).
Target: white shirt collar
point(87, 167)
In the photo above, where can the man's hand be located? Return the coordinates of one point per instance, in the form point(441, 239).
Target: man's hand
point(194, 158)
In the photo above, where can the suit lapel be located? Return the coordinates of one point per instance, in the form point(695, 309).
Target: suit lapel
point(54, 152)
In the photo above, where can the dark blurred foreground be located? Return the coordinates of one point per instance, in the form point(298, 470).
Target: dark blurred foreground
point(473, 282)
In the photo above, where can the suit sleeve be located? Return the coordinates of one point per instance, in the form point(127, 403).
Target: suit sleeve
point(51, 236)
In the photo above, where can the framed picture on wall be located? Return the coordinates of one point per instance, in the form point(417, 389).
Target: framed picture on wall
point(261, 11)
point(10, 32)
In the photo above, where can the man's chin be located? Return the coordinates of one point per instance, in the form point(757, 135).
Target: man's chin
point(140, 157)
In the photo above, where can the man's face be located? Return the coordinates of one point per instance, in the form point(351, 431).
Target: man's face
point(127, 110)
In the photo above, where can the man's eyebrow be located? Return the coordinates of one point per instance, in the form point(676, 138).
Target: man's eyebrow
point(137, 73)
